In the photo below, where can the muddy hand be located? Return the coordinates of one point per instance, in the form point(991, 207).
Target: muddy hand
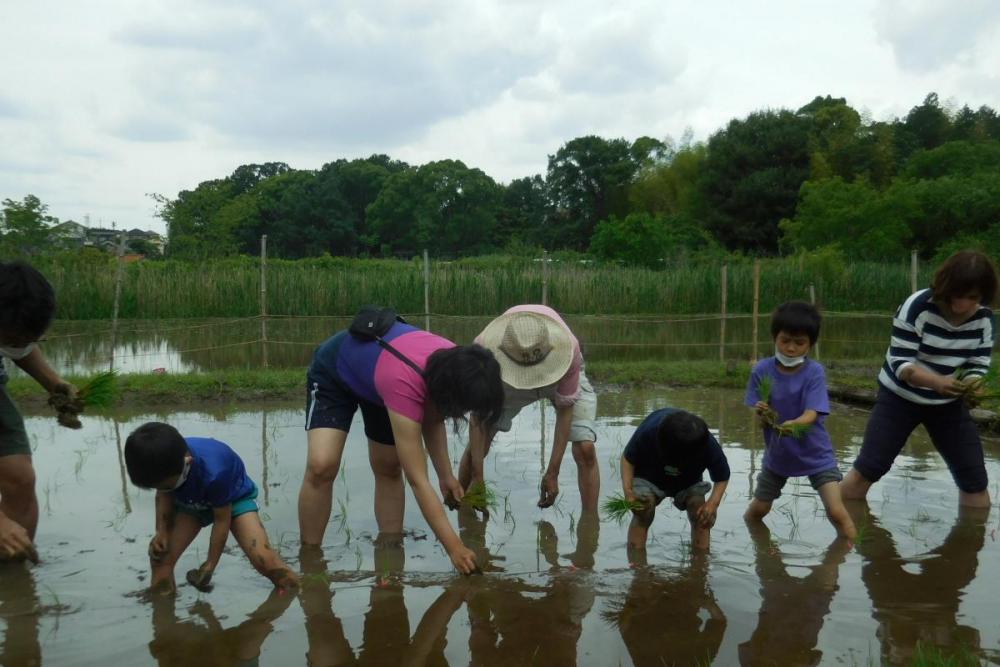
point(158, 547)
point(549, 491)
point(15, 544)
point(201, 578)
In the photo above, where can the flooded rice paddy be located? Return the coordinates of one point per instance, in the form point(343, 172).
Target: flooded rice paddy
point(558, 587)
point(178, 346)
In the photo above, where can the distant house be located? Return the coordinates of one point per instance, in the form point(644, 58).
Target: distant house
point(106, 239)
point(70, 234)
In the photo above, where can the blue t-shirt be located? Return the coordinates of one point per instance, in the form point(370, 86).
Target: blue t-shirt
point(217, 475)
point(791, 395)
point(671, 476)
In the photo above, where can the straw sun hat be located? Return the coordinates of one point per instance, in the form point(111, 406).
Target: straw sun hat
point(533, 350)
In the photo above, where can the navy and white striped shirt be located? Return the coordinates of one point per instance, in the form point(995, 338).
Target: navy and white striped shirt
point(921, 335)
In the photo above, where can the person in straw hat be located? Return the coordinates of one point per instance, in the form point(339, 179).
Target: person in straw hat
point(540, 357)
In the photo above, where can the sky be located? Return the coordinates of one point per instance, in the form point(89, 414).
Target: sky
point(104, 102)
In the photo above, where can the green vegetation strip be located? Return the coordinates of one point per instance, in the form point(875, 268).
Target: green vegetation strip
point(851, 382)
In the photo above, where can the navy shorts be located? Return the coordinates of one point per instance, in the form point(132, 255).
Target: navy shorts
point(331, 404)
point(950, 426)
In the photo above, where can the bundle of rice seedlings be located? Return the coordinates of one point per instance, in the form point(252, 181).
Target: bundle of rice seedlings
point(481, 497)
point(796, 431)
point(617, 507)
point(975, 388)
point(100, 392)
point(764, 387)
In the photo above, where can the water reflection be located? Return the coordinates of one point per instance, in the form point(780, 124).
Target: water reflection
point(916, 600)
point(200, 639)
point(205, 344)
point(386, 635)
point(669, 616)
point(515, 622)
point(792, 608)
point(20, 610)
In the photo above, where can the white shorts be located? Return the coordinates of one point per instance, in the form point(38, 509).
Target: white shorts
point(584, 428)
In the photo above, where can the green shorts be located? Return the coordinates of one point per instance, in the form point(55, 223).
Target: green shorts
point(13, 437)
point(206, 517)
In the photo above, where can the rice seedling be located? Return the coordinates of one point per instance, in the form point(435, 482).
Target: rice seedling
point(480, 496)
point(797, 431)
point(974, 389)
point(617, 507)
point(764, 387)
point(100, 392)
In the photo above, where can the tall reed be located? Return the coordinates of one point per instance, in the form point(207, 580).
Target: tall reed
point(337, 286)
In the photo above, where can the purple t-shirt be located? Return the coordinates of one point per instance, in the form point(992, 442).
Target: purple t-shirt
point(791, 395)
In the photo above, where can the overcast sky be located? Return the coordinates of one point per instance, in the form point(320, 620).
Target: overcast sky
point(104, 101)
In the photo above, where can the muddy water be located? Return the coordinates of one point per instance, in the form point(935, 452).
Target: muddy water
point(179, 346)
point(559, 588)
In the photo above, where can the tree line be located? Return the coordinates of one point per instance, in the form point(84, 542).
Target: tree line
point(824, 178)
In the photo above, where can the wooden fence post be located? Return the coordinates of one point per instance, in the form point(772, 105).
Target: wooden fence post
point(427, 292)
point(545, 277)
point(812, 300)
point(756, 308)
point(914, 269)
point(263, 300)
point(118, 295)
point(722, 320)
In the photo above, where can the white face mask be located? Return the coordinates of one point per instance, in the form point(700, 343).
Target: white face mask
point(184, 474)
point(789, 362)
point(17, 352)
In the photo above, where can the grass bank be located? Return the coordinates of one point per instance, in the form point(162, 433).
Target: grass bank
point(849, 382)
point(475, 286)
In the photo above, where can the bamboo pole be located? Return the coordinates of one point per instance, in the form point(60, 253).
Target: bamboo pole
point(427, 292)
point(914, 269)
point(812, 300)
point(545, 278)
point(119, 271)
point(263, 450)
point(756, 309)
point(121, 468)
point(722, 319)
point(263, 300)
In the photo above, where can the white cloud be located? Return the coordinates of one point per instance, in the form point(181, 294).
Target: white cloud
point(103, 102)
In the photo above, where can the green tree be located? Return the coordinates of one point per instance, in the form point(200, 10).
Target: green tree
point(443, 206)
point(26, 226)
point(588, 180)
point(671, 188)
point(524, 205)
point(646, 240)
point(751, 177)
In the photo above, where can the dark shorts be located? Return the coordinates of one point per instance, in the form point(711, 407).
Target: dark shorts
point(770, 483)
point(206, 517)
point(950, 426)
point(643, 487)
point(331, 404)
point(13, 437)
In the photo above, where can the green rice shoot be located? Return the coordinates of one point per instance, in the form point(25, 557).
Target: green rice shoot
point(617, 507)
point(480, 496)
point(101, 391)
point(764, 387)
point(797, 431)
point(974, 389)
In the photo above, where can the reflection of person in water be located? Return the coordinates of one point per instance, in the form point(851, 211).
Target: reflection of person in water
point(386, 635)
point(916, 600)
point(658, 598)
point(20, 612)
point(514, 622)
point(792, 609)
point(204, 641)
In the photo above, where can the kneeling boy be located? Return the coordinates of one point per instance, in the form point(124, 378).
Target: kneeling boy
point(666, 457)
point(199, 482)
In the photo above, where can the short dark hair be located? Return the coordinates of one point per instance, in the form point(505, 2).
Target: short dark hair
point(465, 379)
point(964, 272)
point(154, 452)
point(681, 436)
point(27, 300)
point(796, 317)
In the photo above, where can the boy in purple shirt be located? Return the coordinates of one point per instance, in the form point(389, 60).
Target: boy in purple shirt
point(199, 482)
point(798, 397)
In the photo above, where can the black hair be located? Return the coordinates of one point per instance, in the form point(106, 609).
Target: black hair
point(465, 379)
point(681, 436)
point(796, 317)
point(154, 452)
point(27, 300)
point(964, 272)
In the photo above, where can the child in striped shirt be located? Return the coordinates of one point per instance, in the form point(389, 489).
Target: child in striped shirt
point(940, 336)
